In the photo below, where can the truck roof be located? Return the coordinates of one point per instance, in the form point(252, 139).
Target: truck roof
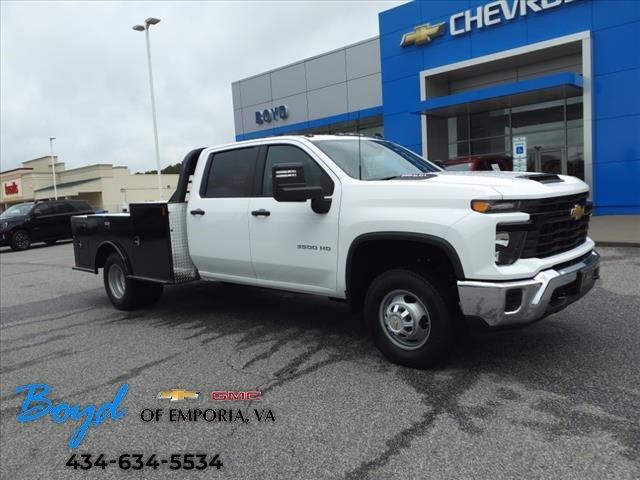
point(307, 136)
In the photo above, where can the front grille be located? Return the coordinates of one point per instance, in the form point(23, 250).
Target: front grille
point(552, 228)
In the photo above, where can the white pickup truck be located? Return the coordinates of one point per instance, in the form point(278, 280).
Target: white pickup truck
point(360, 219)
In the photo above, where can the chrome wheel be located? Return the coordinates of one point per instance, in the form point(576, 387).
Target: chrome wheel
point(117, 281)
point(405, 319)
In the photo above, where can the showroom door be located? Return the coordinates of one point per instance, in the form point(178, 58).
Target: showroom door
point(547, 160)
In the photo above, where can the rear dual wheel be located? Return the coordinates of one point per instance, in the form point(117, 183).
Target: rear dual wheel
point(126, 293)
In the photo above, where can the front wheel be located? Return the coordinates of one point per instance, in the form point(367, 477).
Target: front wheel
point(411, 320)
point(20, 240)
point(126, 293)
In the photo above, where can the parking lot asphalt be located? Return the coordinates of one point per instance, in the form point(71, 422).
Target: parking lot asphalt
point(559, 399)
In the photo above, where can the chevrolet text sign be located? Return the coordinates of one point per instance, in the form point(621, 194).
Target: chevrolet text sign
point(496, 12)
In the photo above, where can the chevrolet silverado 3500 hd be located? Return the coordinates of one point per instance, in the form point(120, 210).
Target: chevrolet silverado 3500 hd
point(359, 219)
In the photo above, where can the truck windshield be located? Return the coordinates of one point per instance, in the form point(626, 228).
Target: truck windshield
point(368, 159)
point(17, 210)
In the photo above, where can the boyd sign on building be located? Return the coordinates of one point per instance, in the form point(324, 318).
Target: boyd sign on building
point(270, 114)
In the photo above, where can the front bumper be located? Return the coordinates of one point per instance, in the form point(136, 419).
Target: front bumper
point(524, 301)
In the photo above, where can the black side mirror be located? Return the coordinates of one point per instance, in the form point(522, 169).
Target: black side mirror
point(289, 185)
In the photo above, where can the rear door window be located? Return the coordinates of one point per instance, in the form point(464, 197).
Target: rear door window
point(42, 209)
point(230, 174)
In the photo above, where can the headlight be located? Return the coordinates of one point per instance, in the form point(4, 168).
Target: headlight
point(508, 246)
point(496, 206)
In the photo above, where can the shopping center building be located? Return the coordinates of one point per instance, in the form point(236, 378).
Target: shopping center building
point(104, 186)
point(458, 79)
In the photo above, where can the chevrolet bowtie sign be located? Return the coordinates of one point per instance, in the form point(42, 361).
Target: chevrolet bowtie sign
point(178, 395)
point(487, 15)
point(422, 34)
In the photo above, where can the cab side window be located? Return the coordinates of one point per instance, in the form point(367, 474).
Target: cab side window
point(62, 207)
point(42, 209)
point(230, 174)
point(314, 175)
point(82, 206)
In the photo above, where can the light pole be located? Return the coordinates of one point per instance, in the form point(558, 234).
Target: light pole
point(53, 167)
point(145, 28)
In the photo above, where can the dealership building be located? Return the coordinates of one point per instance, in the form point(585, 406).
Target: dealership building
point(553, 84)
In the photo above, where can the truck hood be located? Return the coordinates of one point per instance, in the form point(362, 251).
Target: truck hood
point(512, 184)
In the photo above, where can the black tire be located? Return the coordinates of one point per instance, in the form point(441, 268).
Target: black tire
point(50, 242)
point(124, 292)
point(20, 240)
point(436, 333)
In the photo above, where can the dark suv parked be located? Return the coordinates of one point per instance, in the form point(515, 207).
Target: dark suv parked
point(48, 221)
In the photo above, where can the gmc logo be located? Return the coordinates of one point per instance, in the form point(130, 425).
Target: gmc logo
point(270, 114)
point(227, 396)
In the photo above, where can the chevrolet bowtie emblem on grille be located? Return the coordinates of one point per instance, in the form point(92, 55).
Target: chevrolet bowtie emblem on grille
point(177, 395)
point(422, 34)
point(577, 212)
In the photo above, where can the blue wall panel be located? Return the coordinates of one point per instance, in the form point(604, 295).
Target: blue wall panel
point(403, 65)
point(617, 139)
point(403, 129)
point(489, 40)
point(398, 18)
point(440, 8)
point(608, 13)
point(617, 94)
point(617, 48)
point(449, 51)
point(617, 185)
point(399, 94)
point(557, 22)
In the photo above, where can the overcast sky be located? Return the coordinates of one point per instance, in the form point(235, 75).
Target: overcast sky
point(77, 71)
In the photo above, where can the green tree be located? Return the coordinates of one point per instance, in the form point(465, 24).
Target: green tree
point(168, 170)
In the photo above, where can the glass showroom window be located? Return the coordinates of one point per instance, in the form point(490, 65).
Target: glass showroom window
point(553, 129)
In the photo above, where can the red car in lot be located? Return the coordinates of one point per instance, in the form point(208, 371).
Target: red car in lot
point(480, 162)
